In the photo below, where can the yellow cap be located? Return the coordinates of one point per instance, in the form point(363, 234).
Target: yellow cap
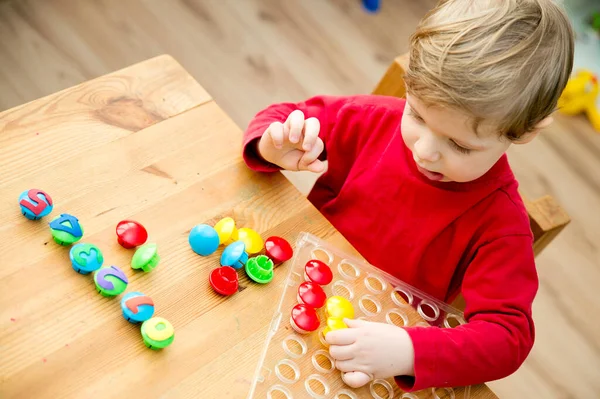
point(253, 240)
point(339, 307)
point(226, 230)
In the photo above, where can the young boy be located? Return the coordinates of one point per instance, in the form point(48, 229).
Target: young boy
point(427, 179)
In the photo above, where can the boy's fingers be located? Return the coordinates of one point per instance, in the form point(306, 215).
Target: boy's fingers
point(341, 352)
point(345, 365)
point(310, 156)
point(345, 336)
point(311, 133)
point(316, 167)
point(276, 132)
point(354, 323)
point(356, 379)
point(295, 123)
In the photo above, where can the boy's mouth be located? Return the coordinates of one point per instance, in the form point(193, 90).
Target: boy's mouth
point(435, 176)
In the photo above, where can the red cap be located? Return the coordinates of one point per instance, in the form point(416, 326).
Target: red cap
point(311, 294)
point(278, 249)
point(131, 234)
point(318, 272)
point(305, 318)
point(224, 280)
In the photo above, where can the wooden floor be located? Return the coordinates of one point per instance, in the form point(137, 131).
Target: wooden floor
point(250, 53)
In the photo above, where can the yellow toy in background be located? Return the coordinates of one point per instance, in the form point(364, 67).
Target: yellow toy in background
point(579, 96)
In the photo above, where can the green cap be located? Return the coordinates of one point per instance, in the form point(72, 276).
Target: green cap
point(157, 333)
point(110, 281)
point(260, 269)
point(63, 238)
point(66, 229)
point(145, 258)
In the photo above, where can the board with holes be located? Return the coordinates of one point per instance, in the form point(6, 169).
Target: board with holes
point(294, 365)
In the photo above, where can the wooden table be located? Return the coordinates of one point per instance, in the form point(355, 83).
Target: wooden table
point(145, 143)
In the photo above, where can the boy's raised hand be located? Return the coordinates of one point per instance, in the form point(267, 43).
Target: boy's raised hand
point(294, 144)
point(367, 350)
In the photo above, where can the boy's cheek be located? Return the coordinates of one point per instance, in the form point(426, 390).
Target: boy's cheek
point(408, 135)
point(463, 171)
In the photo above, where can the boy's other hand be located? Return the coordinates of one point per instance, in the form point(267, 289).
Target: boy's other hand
point(367, 350)
point(294, 144)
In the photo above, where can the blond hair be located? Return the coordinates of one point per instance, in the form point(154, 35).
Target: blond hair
point(500, 61)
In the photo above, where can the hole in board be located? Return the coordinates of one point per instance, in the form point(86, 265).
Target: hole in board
point(294, 346)
point(322, 337)
point(428, 311)
point(322, 361)
point(443, 393)
point(316, 386)
point(369, 305)
point(345, 394)
point(396, 318)
point(322, 255)
point(402, 298)
point(375, 284)
point(348, 270)
point(278, 392)
point(342, 289)
point(453, 320)
point(381, 389)
point(287, 371)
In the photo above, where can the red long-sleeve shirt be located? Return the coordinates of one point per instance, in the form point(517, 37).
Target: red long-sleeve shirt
point(441, 237)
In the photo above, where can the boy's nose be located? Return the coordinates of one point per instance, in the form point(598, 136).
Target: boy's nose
point(426, 151)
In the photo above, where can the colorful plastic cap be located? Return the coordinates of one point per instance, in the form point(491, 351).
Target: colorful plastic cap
point(66, 229)
point(145, 258)
point(260, 269)
point(317, 271)
point(203, 239)
point(226, 230)
point(311, 294)
point(234, 255)
point(304, 319)
point(131, 234)
point(35, 204)
point(86, 258)
point(137, 307)
point(224, 280)
point(110, 281)
point(157, 333)
point(278, 249)
point(253, 240)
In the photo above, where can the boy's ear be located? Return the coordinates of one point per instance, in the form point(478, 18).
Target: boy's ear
point(547, 121)
point(527, 137)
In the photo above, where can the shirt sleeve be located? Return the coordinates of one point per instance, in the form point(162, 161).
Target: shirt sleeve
point(499, 287)
point(324, 108)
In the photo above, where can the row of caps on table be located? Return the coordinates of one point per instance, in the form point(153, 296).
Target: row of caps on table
point(110, 281)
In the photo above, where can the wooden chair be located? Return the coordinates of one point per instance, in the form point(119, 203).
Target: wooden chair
point(546, 217)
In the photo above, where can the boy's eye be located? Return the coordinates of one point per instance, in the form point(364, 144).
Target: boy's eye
point(459, 148)
point(416, 117)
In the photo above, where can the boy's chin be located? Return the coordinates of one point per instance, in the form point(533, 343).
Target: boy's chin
point(446, 179)
point(457, 179)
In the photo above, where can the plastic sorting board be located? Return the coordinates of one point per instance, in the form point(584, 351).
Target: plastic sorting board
point(294, 365)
